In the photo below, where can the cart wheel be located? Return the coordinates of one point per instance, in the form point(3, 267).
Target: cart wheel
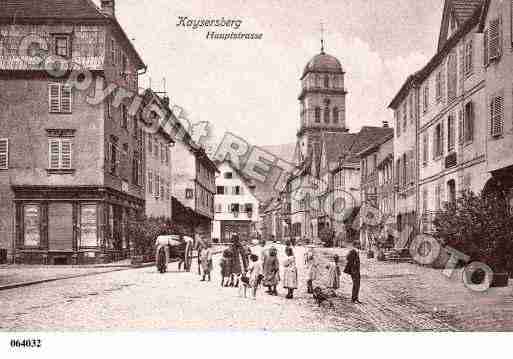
point(188, 257)
point(161, 260)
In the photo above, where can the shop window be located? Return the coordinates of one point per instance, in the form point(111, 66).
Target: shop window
point(88, 226)
point(31, 225)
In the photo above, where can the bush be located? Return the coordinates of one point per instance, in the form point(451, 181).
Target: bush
point(480, 227)
point(143, 231)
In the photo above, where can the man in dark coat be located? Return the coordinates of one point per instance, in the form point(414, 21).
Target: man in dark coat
point(239, 255)
point(353, 269)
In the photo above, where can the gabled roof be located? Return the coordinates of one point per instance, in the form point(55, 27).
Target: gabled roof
point(459, 11)
point(367, 137)
point(35, 11)
point(477, 18)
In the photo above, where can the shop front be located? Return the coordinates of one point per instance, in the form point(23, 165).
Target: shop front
point(72, 225)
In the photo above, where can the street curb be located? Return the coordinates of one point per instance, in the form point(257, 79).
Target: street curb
point(114, 269)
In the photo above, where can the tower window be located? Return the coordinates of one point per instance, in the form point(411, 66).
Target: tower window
point(326, 81)
point(327, 111)
point(317, 114)
point(335, 115)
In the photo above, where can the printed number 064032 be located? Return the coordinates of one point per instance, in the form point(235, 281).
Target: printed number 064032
point(25, 343)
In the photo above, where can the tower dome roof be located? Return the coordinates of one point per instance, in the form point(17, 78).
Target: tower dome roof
point(323, 63)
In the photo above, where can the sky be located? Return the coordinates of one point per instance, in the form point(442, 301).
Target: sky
point(250, 87)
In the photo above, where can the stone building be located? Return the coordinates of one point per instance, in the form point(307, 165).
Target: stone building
point(193, 184)
point(70, 166)
point(458, 104)
point(158, 161)
point(377, 187)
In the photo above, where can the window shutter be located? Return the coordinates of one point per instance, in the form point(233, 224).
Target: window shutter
point(442, 134)
point(66, 99)
point(54, 100)
point(494, 39)
point(66, 154)
point(461, 126)
point(497, 119)
point(53, 153)
point(469, 122)
point(485, 48)
point(4, 153)
point(470, 57)
point(442, 82)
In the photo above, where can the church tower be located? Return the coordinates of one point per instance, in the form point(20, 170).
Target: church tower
point(322, 103)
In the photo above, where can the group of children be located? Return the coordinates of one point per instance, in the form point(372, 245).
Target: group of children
point(264, 270)
point(249, 278)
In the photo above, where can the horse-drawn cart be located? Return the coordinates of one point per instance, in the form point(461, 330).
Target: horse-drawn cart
point(172, 248)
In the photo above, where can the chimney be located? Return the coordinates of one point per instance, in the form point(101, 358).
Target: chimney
point(109, 7)
point(385, 124)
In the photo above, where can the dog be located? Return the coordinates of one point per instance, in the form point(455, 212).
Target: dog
point(323, 295)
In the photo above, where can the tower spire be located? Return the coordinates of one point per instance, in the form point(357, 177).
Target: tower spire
point(322, 38)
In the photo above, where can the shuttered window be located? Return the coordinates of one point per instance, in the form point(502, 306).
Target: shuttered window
point(494, 39)
point(450, 134)
point(150, 182)
point(60, 153)
point(4, 153)
point(452, 80)
point(468, 119)
point(157, 185)
point(60, 98)
point(461, 127)
point(398, 122)
point(405, 115)
point(469, 61)
point(425, 148)
point(497, 116)
point(426, 97)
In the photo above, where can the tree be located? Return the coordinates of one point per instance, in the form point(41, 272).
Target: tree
point(143, 231)
point(480, 227)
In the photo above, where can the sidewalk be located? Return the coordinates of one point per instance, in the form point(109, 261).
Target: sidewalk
point(14, 276)
point(431, 292)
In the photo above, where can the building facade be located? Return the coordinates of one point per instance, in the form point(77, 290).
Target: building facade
point(193, 185)
point(461, 99)
point(236, 207)
point(70, 168)
point(158, 162)
point(377, 189)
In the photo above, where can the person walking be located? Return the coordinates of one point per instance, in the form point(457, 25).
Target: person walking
point(289, 273)
point(199, 245)
point(353, 269)
point(271, 271)
point(226, 267)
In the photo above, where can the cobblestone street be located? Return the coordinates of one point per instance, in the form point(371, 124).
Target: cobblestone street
point(397, 297)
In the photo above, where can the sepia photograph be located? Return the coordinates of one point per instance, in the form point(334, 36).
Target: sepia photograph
point(235, 166)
